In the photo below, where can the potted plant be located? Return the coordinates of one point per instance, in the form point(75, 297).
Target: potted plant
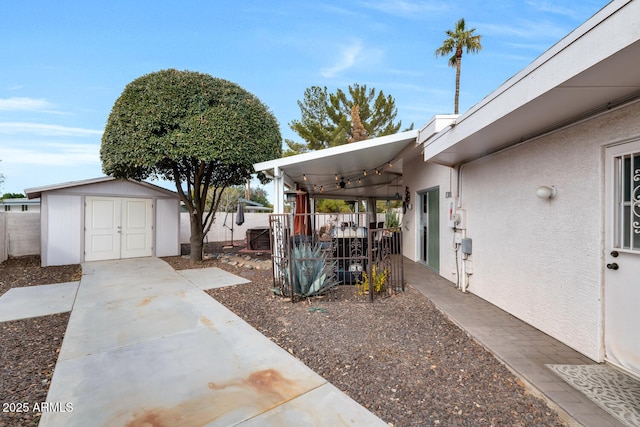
point(391, 219)
point(392, 222)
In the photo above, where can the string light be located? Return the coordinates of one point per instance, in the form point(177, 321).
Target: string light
point(346, 181)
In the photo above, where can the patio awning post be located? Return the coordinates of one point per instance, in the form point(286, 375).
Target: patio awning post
point(278, 190)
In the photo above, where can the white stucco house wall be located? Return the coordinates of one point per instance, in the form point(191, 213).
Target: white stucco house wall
point(539, 183)
point(106, 218)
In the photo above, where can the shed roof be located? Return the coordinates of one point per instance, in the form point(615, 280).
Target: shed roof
point(36, 192)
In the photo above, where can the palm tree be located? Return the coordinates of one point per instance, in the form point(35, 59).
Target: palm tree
point(457, 41)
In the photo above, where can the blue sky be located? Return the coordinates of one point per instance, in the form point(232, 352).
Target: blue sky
point(64, 63)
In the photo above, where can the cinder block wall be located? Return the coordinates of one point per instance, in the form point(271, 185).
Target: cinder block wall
point(22, 233)
point(3, 240)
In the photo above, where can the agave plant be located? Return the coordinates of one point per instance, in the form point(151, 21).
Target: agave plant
point(310, 273)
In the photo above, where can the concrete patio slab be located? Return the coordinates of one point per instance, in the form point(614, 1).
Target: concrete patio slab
point(118, 282)
point(325, 406)
point(134, 320)
point(212, 278)
point(35, 301)
point(176, 356)
point(220, 376)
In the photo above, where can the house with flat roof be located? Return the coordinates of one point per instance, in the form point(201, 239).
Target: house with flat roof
point(531, 198)
point(21, 204)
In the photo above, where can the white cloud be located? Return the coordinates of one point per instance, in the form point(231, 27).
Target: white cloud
point(349, 56)
point(53, 155)
point(45, 129)
point(405, 8)
point(26, 104)
point(334, 10)
point(528, 30)
point(549, 7)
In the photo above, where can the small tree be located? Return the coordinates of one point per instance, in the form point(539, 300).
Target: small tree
point(231, 195)
point(332, 206)
point(228, 199)
point(457, 41)
point(201, 132)
point(331, 119)
point(259, 195)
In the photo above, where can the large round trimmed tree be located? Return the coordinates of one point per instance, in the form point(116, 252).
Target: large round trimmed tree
point(202, 132)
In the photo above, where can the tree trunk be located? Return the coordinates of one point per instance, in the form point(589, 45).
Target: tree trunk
point(196, 239)
point(455, 104)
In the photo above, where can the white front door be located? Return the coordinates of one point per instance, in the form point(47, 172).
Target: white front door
point(622, 256)
point(118, 228)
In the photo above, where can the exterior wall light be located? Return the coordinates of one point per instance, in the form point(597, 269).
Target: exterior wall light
point(545, 192)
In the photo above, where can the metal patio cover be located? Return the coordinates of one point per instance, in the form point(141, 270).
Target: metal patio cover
point(348, 162)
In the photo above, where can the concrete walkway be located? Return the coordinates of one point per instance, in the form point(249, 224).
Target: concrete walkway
point(522, 348)
point(35, 301)
point(146, 346)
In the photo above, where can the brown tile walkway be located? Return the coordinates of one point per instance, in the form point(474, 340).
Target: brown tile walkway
point(521, 347)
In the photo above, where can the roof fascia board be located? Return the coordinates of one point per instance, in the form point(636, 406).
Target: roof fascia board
point(37, 191)
point(34, 192)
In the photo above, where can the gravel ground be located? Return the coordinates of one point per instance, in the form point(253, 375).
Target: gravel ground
point(399, 357)
point(29, 348)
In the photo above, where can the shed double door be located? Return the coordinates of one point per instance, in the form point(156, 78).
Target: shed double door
point(117, 228)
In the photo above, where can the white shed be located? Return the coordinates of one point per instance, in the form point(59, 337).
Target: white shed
point(106, 218)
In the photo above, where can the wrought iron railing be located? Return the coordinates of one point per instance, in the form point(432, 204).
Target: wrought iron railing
point(314, 252)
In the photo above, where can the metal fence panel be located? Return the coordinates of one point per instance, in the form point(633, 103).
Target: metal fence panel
point(338, 248)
